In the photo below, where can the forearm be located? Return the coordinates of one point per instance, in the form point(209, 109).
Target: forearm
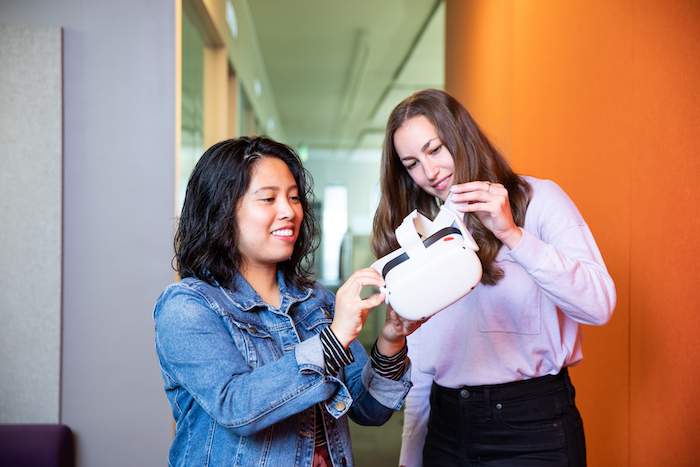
point(571, 273)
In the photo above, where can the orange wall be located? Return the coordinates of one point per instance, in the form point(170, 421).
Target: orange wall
point(603, 96)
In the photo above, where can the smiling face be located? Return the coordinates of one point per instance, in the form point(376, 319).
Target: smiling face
point(269, 215)
point(425, 157)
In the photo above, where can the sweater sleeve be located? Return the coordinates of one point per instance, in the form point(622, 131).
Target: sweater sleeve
point(559, 253)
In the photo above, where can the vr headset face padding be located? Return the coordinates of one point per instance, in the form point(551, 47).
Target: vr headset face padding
point(436, 265)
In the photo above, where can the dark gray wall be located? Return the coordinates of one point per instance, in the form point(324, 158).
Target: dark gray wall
point(119, 172)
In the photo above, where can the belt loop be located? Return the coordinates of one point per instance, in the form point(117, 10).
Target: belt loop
point(487, 401)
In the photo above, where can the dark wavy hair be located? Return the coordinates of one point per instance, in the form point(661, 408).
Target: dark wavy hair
point(476, 158)
point(206, 241)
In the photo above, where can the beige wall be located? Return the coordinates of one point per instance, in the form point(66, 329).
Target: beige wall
point(602, 96)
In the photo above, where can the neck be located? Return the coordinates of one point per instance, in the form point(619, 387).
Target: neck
point(264, 282)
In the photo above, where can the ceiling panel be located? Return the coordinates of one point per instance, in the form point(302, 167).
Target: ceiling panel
point(337, 68)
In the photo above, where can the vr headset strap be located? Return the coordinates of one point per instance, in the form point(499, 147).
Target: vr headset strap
point(408, 237)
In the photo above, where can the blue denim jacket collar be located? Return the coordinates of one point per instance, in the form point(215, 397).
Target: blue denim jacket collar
point(247, 299)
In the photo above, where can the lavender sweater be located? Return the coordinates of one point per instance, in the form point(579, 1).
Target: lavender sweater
point(528, 325)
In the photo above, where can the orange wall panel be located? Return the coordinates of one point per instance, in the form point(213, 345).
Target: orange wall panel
point(479, 57)
point(665, 298)
point(571, 106)
point(568, 121)
point(604, 99)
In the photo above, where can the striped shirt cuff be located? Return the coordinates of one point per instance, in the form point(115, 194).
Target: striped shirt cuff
point(393, 367)
point(335, 355)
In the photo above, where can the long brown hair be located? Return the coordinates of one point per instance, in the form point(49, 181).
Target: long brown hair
point(476, 158)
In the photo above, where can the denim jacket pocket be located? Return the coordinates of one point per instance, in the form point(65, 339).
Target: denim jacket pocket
point(255, 343)
point(314, 319)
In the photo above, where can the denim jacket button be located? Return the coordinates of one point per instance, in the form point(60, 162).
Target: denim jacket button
point(252, 329)
point(326, 314)
point(343, 461)
point(340, 406)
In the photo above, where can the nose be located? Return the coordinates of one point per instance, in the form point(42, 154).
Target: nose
point(431, 169)
point(286, 211)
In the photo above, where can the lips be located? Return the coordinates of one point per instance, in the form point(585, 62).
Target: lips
point(442, 184)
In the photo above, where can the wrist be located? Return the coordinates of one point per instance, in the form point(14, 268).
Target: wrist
point(342, 338)
point(334, 354)
point(512, 240)
point(393, 367)
point(389, 348)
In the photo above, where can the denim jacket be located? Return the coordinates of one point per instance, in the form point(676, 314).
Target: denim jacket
point(244, 379)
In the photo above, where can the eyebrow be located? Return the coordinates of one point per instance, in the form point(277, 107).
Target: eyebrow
point(423, 149)
point(426, 145)
point(263, 188)
point(274, 188)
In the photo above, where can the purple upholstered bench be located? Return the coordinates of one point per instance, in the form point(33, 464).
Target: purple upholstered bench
point(36, 446)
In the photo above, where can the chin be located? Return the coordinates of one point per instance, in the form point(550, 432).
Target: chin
point(285, 256)
point(442, 195)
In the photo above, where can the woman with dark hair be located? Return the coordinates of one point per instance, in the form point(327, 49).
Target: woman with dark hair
point(261, 364)
point(491, 385)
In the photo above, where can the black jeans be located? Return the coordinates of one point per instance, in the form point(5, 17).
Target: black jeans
point(526, 423)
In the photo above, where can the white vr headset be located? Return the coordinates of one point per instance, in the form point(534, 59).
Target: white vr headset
point(436, 265)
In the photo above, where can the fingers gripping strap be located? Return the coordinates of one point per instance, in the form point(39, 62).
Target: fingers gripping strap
point(449, 215)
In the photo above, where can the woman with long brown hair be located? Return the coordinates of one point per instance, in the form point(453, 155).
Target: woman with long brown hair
point(490, 371)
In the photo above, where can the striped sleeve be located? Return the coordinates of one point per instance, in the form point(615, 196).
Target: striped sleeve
point(390, 367)
point(335, 355)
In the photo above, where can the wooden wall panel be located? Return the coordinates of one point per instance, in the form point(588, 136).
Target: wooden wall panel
point(216, 99)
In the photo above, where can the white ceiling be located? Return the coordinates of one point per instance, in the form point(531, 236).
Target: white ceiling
point(337, 68)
